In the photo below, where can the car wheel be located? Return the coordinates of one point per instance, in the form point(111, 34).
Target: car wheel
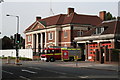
point(52, 59)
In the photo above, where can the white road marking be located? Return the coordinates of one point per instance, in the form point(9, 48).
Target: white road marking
point(83, 76)
point(28, 71)
point(48, 70)
point(24, 78)
point(56, 72)
point(35, 68)
point(56, 77)
point(98, 76)
point(7, 72)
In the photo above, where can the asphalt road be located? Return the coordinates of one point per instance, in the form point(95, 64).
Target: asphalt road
point(34, 70)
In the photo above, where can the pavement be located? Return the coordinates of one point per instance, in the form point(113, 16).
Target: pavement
point(81, 64)
point(91, 65)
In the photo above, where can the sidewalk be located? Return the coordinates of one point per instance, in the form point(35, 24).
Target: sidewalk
point(92, 65)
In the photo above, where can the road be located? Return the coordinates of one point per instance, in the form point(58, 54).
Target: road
point(38, 70)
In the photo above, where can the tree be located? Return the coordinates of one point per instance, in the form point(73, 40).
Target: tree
point(7, 43)
point(109, 16)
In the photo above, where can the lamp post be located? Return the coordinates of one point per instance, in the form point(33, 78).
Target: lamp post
point(17, 58)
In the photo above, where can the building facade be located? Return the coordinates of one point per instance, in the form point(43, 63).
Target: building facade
point(98, 42)
point(59, 30)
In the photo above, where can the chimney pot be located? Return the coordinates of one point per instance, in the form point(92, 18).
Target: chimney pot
point(70, 10)
point(38, 18)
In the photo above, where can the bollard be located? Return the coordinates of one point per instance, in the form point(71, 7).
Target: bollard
point(8, 59)
point(76, 63)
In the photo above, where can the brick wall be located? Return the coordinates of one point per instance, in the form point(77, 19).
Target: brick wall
point(27, 42)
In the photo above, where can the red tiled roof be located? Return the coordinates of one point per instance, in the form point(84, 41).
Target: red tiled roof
point(117, 31)
point(89, 33)
point(112, 27)
point(73, 18)
point(82, 19)
point(53, 20)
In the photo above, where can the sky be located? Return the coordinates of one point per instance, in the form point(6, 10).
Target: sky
point(27, 11)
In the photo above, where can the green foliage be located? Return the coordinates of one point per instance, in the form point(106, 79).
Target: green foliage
point(109, 16)
point(9, 42)
point(24, 58)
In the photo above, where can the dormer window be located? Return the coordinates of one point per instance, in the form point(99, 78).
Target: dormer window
point(99, 30)
point(80, 33)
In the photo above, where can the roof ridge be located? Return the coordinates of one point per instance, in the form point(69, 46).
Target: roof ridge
point(88, 15)
point(53, 16)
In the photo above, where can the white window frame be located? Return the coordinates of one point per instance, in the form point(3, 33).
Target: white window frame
point(29, 38)
point(65, 34)
point(101, 30)
point(50, 36)
point(80, 33)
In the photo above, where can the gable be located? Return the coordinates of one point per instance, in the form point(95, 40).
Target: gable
point(37, 26)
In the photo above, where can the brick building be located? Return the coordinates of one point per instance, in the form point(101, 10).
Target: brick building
point(105, 35)
point(59, 30)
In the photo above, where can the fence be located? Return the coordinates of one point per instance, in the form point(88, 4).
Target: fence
point(27, 53)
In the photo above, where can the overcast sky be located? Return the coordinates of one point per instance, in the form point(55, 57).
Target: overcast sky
point(27, 11)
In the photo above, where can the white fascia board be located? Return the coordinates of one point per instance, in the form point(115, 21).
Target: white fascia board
point(80, 28)
point(108, 36)
point(35, 32)
point(66, 28)
point(51, 26)
point(51, 29)
point(65, 25)
point(98, 41)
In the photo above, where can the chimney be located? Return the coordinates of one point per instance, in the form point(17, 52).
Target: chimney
point(102, 15)
point(118, 18)
point(70, 10)
point(38, 18)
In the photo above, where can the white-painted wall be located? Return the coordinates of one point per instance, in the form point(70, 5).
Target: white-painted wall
point(28, 53)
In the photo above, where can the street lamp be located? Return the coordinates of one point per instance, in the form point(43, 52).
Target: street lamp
point(17, 21)
point(17, 58)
